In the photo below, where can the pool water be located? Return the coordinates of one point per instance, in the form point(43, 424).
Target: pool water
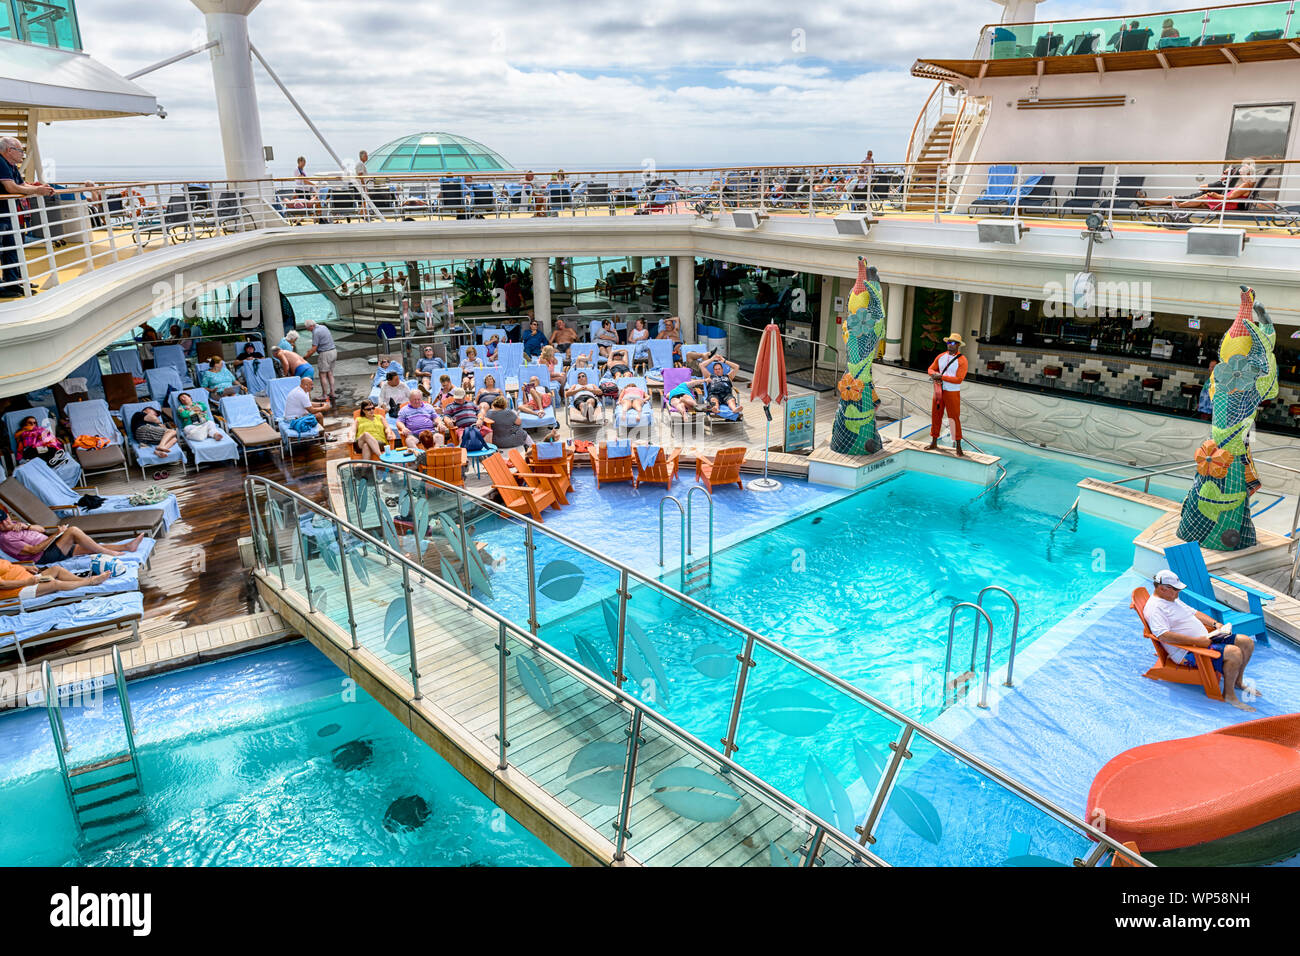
point(266, 759)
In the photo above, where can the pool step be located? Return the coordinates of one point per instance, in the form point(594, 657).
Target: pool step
point(697, 577)
point(99, 764)
point(959, 684)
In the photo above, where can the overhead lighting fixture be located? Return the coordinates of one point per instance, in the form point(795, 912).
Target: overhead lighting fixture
point(853, 223)
point(1204, 241)
point(747, 218)
point(1001, 230)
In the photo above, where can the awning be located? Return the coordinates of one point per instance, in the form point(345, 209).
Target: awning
point(66, 85)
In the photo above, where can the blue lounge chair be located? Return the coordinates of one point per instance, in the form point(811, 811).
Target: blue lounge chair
point(593, 380)
point(57, 495)
point(659, 356)
point(146, 456)
point(92, 417)
point(258, 375)
point(173, 356)
point(139, 558)
point(1001, 187)
point(278, 391)
point(66, 622)
point(1186, 561)
point(510, 355)
point(486, 332)
point(161, 380)
point(589, 349)
point(547, 419)
point(119, 584)
point(247, 426)
point(70, 471)
point(626, 422)
point(209, 449)
point(91, 371)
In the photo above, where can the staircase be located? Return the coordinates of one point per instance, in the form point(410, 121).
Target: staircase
point(105, 793)
point(933, 156)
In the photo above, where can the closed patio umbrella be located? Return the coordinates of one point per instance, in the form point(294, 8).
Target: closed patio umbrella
point(768, 386)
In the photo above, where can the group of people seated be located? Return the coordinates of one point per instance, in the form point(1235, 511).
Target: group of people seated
point(193, 419)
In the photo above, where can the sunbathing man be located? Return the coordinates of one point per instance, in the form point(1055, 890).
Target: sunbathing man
point(17, 582)
point(535, 399)
point(1179, 627)
point(582, 360)
point(719, 380)
point(563, 336)
point(582, 397)
point(1228, 199)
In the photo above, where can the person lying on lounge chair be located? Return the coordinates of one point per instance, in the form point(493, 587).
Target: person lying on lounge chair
point(1179, 627)
point(582, 396)
point(607, 337)
point(372, 434)
point(1225, 196)
point(148, 429)
point(718, 379)
point(618, 364)
point(195, 421)
point(488, 394)
point(471, 359)
point(688, 397)
point(534, 399)
point(631, 397)
point(29, 542)
point(18, 582)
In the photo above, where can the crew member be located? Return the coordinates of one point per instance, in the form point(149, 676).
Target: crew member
point(947, 372)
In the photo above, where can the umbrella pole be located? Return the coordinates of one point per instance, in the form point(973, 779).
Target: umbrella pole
point(765, 483)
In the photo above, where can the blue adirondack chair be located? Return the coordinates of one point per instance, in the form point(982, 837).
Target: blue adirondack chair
point(1186, 561)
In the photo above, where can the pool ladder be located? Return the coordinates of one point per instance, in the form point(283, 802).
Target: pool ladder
point(955, 686)
point(106, 803)
point(698, 575)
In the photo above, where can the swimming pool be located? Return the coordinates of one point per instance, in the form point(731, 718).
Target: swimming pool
point(267, 759)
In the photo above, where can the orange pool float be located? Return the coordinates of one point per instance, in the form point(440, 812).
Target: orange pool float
point(1229, 797)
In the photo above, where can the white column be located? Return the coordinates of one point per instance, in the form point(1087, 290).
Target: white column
point(541, 269)
point(232, 76)
point(684, 271)
point(894, 311)
point(272, 318)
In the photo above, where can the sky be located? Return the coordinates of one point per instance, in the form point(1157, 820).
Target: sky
point(564, 83)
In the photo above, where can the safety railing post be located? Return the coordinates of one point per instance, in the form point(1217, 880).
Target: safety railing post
point(532, 579)
point(620, 639)
point(302, 554)
point(867, 832)
point(410, 628)
point(814, 846)
point(502, 653)
point(746, 658)
point(347, 584)
point(464, 548)
point(634, 743)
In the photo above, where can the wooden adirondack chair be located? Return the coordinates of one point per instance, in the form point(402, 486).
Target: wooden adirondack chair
point(722, 469)
point(446, 465)
point(541, 480)
point(520, 498)
point(611, 469)
point(1203, 673)
point(554, 466)
point(662, 472)
point(1186, 561)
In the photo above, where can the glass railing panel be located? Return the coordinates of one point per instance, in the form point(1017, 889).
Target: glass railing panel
point(498, 561)
point(816, 743)
point(50, 23)
point(685, 811)
point(285, 545)
point(679, 660)
point(569, 738)
point(943, 812)
point(577, 599)
point(1260, 21)
point(379, 607)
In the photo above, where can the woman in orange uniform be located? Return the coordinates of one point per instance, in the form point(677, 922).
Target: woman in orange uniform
point(947, 372)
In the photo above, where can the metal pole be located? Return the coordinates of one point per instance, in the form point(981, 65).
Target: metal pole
point(464, 546)
point(746, 659)
point(302, 553)
point(502, 653)
point(347, 584)
point(532, 580)
point(410, 628)
point(620, 638)
point(634, 742)
point(886, 786)
point(814, 846)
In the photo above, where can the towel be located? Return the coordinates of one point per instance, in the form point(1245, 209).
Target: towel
point(618, 449)
point(550, 450)
point(648, 455)
point(726, 413)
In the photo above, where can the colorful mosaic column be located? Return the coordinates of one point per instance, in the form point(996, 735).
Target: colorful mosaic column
point(854, 432)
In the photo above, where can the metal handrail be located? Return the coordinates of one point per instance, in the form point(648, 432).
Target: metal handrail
point(124, 703)
point(974, 647)
point(594, 681)
point(59, 732)
point(1015, 633)
point(754, 638)
point(682, 514)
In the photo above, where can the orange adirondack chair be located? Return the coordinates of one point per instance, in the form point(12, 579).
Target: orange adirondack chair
point(554, 466)
point(722, 469)
point(612, 469)
point(662, 472)
point(1203, 673)
point(542, 480)
point(520, 498)
point(447, 465)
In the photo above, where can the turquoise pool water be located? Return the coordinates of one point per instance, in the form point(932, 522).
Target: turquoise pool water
point(267, 759)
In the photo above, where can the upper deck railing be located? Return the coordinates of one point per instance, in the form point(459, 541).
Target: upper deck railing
point(1199, 26)
point(84, 228)
point(51, 23)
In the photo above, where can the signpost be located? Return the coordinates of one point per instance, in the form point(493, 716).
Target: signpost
point(800, 422)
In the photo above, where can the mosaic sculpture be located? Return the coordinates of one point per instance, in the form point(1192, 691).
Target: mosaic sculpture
point(854, 432)
point(1216, 512)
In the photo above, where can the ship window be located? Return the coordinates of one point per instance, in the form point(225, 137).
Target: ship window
point(1260, 131)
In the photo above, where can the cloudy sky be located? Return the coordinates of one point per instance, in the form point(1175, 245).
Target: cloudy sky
point(564, 82)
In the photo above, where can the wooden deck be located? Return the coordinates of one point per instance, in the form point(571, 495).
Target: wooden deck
point(457, 660)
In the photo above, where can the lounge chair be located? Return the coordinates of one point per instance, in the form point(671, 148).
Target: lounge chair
point(1086, 195)
point(1186, 561)
point(547, 418)
point(118, 584)
point(627, 421)
point(148, 456)
point(1034, 193)
point(126, 359)
point(23, 502)
point(120, 389)
point(539, 480)
point(140, 557)
point(93, 418)
point(446, 465)
point(672, 378)
point(722, 469)
point(173, 356)
point(44, 482)
point(278, 391)
point(573, 416)
point(163, 380)
point(553, 458)
point(209, 449)
point(613, 462)
point(69, 471)
point(1001, 185)
point(662, 470)
point(1203, 673)
point(589, 349)
point(246, 425)
point(258, 375)
point(658, 359)
point(516, 497)
point(67, 622)
point(1128, 192)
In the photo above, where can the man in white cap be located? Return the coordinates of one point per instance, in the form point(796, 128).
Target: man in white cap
point(1179, 627)
point(947, 372)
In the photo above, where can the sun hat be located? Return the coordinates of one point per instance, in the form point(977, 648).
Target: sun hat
point(954, 338)
point(1169, 578)
point(458, 392)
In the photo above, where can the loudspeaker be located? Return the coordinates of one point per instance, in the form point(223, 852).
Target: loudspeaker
point(1215, 242)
